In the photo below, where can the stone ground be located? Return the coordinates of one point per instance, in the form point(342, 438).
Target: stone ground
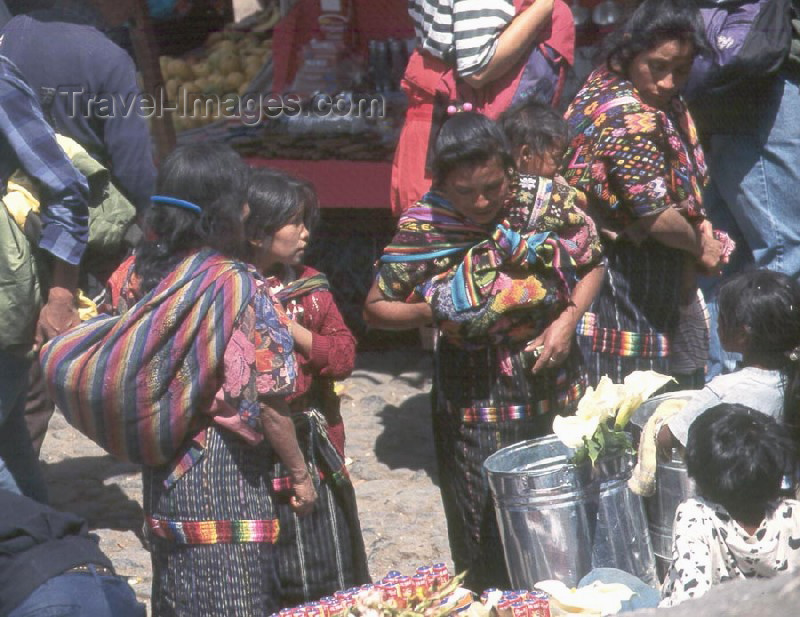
point(387, 415)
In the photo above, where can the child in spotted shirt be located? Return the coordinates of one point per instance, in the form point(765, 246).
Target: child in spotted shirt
point(740, 525)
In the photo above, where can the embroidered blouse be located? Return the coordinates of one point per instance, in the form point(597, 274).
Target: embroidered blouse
point(632, 159)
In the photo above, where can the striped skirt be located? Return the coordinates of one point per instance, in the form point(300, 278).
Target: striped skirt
point(505, 410)
point(212, 533)
point(322, 552)
point(630, 323)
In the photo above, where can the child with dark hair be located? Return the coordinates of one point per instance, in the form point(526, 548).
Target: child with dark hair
point(324, 551)
point(538, 135)
point(759, 317)
point(739, 525)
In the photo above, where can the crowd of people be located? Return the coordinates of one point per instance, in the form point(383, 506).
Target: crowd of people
point(548, 250)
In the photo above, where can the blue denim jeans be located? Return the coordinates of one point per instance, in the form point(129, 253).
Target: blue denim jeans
point(19, 465)
point(757, 177)
point(753, 195)
point(81, 595)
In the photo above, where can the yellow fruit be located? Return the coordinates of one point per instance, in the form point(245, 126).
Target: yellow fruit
point(224, 46)
point(199, 86)
point(215, 84)
point(180, 69)
point(234, 80)
point(229, 64)
point(248, 42)
point(251, 67)
point(200, 69)
point(171, 86)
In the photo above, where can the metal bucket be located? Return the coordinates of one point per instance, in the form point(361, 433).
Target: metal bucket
point(673, 486)
point(558, 520)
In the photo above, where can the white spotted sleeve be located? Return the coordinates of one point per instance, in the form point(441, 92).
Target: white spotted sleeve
point(689, 575)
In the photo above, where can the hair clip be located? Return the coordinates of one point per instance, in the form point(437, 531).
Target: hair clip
point(794, 355)
point(174, 201)
point(453, 109)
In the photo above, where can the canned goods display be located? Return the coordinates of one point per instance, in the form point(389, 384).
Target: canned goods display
point(421, 584)
point(519, 609)
point(418, 593)
point(441, 574)
point(503, 607)
point(314, 609)
point(427, 572)
point(390, 590)
point(406, 586)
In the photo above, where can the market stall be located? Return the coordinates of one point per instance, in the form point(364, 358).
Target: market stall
point(310, 87)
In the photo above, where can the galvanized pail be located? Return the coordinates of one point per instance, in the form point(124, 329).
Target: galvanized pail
point(673, 486)
point(558, 520)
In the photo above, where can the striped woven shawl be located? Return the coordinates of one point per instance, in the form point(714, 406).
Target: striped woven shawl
point(134, 382)
point(483, 284)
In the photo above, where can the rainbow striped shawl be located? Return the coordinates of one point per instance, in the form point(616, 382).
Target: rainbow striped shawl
point(133, 383)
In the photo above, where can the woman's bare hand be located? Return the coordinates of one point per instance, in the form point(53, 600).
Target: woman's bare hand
point(302, 502)
point(710, 260)
point(552, 345)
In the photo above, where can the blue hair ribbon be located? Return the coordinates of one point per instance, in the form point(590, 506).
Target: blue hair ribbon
point(174, 201)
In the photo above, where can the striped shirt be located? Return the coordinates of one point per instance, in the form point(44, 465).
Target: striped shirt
point(462, 33)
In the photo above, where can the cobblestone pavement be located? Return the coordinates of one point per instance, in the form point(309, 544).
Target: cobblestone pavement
point(387, 418)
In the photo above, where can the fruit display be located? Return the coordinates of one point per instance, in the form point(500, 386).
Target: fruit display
point(205, 85)
point(222, 92)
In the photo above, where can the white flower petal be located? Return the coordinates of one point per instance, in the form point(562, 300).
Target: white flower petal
point(644, 383)
point(572, 430)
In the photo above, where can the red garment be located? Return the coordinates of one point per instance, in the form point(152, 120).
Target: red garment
point(426, 77)
point(371, 19)
point(333, 347)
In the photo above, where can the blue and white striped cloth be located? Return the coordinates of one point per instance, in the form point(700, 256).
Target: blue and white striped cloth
point(28, 142)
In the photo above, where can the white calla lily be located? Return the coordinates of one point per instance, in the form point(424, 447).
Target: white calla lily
point(573, 430)
point(638, 386)
point(602, 402)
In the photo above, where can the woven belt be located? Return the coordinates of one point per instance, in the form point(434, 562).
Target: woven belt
point(88, 568)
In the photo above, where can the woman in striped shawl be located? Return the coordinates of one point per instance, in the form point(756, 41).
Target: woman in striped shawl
point(493, 268)
point(210, 511)
point(323, 552)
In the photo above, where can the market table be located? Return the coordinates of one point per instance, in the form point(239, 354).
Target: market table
point(340, 183)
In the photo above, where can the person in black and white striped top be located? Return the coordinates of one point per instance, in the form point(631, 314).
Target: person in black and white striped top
point(480, 39)
point(468, 51)
point(461, 33)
